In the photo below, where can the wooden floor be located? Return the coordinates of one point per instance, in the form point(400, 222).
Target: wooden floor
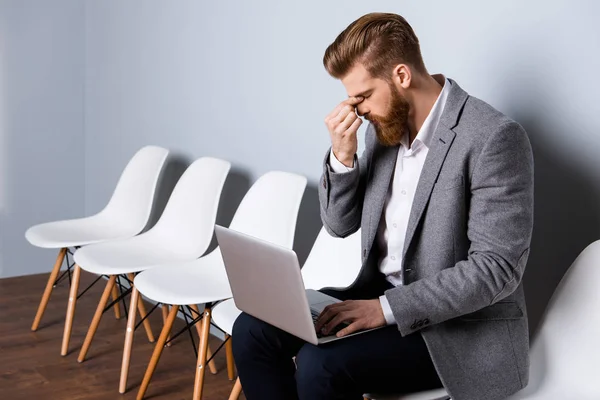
point(31, 366)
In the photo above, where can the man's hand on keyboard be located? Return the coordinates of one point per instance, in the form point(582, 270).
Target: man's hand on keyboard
point(358, 314)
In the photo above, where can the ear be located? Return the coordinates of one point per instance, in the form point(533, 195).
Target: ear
point(402, 76)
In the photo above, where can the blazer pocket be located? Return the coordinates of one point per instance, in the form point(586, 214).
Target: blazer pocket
point(444, 184)
point(498, 311)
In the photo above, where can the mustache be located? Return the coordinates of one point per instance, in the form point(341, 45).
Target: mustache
point(378, 121)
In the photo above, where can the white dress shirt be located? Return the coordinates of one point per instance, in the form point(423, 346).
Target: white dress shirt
point(392, 228)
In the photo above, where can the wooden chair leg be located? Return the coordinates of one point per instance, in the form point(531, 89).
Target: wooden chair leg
point(128, 341)
point(211, 365)
point(142, 310)
point(48, 290)
point(236, 391)
point(97, 317)
point(157, 351)
point(165, 314)
point(70, 310)
point(202, 355)
point(146, 323)
point(115, 295)
point(230, 362)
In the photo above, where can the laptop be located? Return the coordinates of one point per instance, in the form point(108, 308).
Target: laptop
point(266, 283)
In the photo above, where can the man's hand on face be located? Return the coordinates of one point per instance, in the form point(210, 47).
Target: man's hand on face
point(343, 123)
point(358, 314)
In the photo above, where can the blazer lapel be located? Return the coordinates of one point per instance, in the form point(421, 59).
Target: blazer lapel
point(440, 144)
point(433, 163)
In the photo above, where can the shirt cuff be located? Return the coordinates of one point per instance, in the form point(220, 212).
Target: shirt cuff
point(387, 310)
point(337, 166)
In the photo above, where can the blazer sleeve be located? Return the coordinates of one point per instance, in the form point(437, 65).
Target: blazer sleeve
point(341, 195)
point(500, 222)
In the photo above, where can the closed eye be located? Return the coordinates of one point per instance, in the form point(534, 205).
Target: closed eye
point(366, 94)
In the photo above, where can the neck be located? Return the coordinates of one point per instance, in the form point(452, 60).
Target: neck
point(425, 95)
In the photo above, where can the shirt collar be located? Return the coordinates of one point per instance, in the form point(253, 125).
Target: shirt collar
point(425, 134)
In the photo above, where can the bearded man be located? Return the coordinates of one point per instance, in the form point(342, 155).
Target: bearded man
point(443, 195)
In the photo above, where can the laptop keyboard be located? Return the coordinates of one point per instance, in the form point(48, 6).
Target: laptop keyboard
point(315, 315)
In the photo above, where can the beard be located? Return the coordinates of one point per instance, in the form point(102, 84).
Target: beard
point(390, 128)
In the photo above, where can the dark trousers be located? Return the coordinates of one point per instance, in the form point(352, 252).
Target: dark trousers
point(381, 361)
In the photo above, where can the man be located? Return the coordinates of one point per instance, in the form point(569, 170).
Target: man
point(443, 194)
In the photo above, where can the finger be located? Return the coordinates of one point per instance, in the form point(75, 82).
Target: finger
point(350, 101)
point(337, 313)
point(323, 318)
point(328, 313)
point(347, 122)
point(344, 316)
point(336, 111)
point(353, 101)
point(354, 127)
point(320, 325)
point(344, 112)
point(334, 119)
point(353, 327)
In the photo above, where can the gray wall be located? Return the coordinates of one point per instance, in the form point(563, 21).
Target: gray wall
point(244, 81)
point(41, 124)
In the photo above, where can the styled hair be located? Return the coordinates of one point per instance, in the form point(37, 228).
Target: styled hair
point(379, 41)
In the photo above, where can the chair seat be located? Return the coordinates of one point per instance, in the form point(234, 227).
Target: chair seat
point(224, 315)
point(78, 232)
point(437, 394)
point(203, 280)
point(129, 255)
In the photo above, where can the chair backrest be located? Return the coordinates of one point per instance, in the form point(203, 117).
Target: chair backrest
point(269, 210)
point(188, 220)
point(332, 262)
point(565, 353)
point(132, 199)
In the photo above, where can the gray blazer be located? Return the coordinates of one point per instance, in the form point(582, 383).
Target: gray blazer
point(466, 245)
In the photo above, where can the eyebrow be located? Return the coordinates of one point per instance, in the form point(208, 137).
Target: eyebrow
point(364, 93)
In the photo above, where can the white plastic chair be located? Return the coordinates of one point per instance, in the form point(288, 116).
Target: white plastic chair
point(124, 216)
point(269, 211)
point(183, 233)
point(564, 355)
point(332, 262)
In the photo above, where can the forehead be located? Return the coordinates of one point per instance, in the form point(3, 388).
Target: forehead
point(358, 80)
